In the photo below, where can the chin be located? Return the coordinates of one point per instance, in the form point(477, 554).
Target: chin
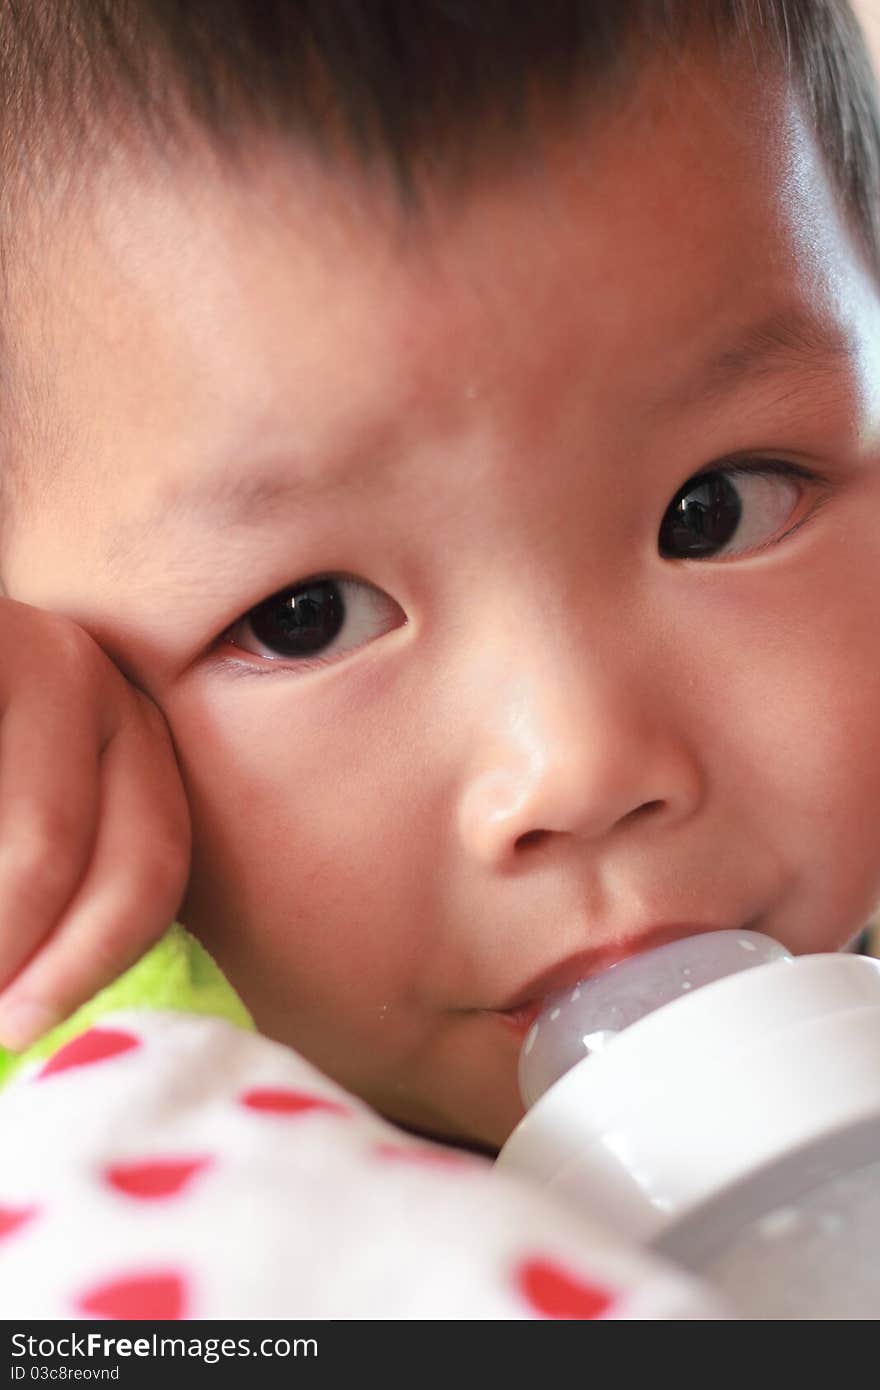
point(451, 1141)
point(483, 1133)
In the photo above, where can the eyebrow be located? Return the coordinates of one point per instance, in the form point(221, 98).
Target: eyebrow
point(789, 339)
point(245, 496)
point(253, 492)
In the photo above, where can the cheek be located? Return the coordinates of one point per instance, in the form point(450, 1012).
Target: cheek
point(300, 882)
point(798, 740)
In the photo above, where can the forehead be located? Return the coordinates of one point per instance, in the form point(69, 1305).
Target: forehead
point(288, 311)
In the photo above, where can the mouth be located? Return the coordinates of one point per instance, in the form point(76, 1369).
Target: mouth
point(519, 1013)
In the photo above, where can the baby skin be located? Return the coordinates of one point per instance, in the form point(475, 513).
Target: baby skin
point(506, 575)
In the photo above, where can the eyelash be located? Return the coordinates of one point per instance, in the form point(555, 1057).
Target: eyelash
point(265, 667)
point(775, 467)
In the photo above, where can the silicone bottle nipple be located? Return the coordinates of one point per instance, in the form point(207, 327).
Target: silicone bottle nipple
point(582, 1019)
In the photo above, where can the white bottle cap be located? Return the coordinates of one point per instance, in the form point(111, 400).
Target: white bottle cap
point(707, 1089)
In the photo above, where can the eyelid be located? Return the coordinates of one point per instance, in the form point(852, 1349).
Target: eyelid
point(755, 463)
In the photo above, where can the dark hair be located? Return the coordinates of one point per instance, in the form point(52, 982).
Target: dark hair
point(407, 83)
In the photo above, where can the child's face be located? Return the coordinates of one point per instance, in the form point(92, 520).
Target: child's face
point(535, 739)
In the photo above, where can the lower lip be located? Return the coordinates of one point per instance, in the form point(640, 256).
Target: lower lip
point(520, 1020)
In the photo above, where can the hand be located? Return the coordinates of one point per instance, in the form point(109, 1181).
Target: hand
point(94, 823)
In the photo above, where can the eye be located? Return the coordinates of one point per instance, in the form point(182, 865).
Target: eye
point(742, 503)
point(315, 619)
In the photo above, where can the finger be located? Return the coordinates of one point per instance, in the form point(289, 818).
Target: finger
point(49, 793)
point(130, 893)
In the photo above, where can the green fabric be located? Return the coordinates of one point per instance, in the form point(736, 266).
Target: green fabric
point(177, 973)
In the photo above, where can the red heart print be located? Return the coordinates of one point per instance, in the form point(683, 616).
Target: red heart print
point(154, 1178)
point(12, 1218)
point(284, 1102)
point(97, 1045)
point(554, 1292)
point(136, 1296)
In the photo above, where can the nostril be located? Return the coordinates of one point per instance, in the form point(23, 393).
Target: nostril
point(531, 837)
point(642, 810)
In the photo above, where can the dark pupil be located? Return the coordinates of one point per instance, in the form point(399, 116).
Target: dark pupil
point(300, 621)
point(702, 517)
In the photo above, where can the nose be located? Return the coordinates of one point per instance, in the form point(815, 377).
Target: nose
point(584, 750)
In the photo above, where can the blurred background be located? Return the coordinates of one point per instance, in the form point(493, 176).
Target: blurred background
point(869, 13)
